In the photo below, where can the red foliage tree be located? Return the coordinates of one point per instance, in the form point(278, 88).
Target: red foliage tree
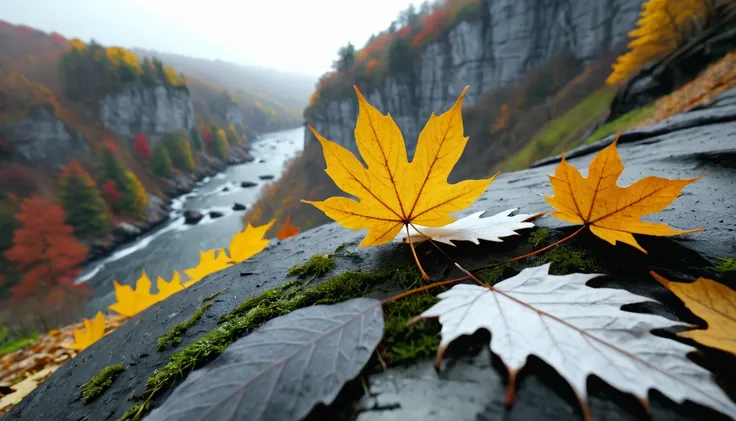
point(141, 148)
point(45, 250)
point(207, 134)
point(111, 192)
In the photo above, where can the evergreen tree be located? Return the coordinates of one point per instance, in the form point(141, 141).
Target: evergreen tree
point(82, 202)
point(196, 138)
point(160, 163)
point(135, 198)
point(179, 150)
point(222, 149)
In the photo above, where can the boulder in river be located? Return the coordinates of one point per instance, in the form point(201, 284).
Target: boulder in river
point(216, 214)
point(247, 184)
point(266, 177)
point(238, 207)
point(191, 217)
point(125, 232)
point(261, 161)
point(225, 189)
point(472, 384)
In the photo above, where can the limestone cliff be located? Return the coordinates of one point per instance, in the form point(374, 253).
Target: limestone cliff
point(42, 140)
point(152, 110)
point(507, 40)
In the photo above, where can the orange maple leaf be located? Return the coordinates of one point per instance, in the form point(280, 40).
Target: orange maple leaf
point(287, 230)
point(611, 212)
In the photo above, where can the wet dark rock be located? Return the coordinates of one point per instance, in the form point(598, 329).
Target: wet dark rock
point(261, 161)
point(472, 382)
point(125, 232)
point(238, 207)
point(266, 177)
point(216, 214)
point(225, 189)
point(247, 184)
point(191, 217)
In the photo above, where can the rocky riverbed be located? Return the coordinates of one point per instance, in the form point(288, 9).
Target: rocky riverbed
point(472, 383)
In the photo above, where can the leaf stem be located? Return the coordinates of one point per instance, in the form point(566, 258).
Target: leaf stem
point(535, 252)
point(414, 252)
point(421, 289)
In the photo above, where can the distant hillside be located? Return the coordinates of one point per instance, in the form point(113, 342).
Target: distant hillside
point(290, 89)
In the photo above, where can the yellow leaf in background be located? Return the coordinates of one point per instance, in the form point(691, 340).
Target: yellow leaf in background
point(166, 289)
point(713, 302)
point(210, 261)
point(131, 302)
point(93, 330)
point(393, 192)
point(249, 242)
point(611, 212)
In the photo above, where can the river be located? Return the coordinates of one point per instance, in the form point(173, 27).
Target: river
point(175, 245)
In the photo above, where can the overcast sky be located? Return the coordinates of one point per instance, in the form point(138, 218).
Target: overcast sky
point(300, 36)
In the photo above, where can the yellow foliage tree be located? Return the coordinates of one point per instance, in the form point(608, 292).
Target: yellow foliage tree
point(503, 119)
point(663, 25)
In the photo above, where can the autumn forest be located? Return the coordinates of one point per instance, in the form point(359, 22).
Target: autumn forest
point(473, 168)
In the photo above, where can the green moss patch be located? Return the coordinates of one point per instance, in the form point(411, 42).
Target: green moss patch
point(623, 123)
point(317, 266)
point(173, 336)
point(403, 342)
point(565, 260)
point(725, 264)
point(99, 383)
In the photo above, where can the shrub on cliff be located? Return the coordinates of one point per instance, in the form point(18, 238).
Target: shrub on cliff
point(179, 150)
point(141, 148)
point(82, 202)
point(196, 139)
point(233, 138)
point(221, 147)
point(160, 163)
point(133, 196)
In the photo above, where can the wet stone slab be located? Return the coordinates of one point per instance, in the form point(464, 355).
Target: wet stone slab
point(472, 383)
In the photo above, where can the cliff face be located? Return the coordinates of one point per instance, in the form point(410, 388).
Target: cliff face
point(154, 111)
point(44, 141)
point(508, 40)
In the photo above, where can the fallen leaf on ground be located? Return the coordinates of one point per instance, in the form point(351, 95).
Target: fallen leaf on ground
point(287, 230)
point(39, 360)
point(210, 261)
point(713, 302)
point(129, 301)
point(393, 192)
point(579, 331)
point(283, 369)
point(611, 212)
point(249, 242)
point(471, 228)
point(93, 330)
point(167, 289)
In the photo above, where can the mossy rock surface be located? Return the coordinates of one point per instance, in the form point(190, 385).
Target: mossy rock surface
point(472, 384)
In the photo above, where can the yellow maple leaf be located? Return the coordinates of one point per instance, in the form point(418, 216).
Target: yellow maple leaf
point(132, 301)
point(393, 192)
point(713, 302)
point(611, 212)
point(210, 261)
point(166, 289)
point(93, 330)
point(249, 242)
